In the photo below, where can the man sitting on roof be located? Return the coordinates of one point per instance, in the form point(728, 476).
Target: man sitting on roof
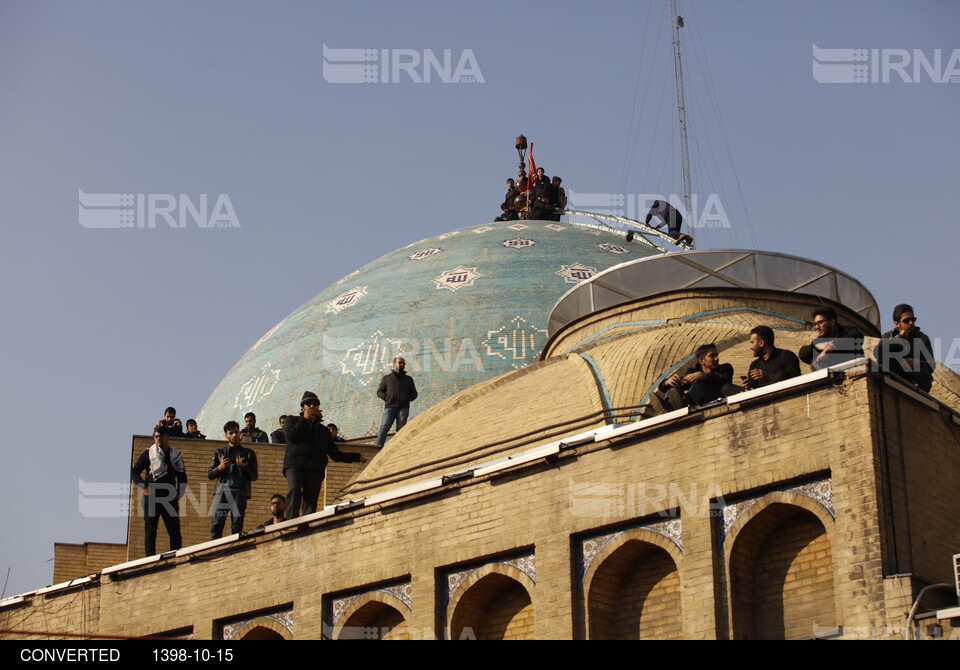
point(509, 204)
point(700, 384)
point(771, 365)
point(905, 351)
point(834, 343)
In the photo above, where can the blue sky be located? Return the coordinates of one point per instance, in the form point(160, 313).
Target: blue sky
point(103, 328)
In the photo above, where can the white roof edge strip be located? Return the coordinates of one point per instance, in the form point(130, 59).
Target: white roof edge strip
point(186, 551)
point(63, 585)
point(409, 489)
point(802, 380)
point(146, 560)
point(640, 425)
point(524, 457)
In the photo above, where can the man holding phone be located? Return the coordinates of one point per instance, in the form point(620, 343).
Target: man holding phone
point(234, 468)
point(309, 447)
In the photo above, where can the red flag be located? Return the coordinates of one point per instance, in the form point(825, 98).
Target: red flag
point(533, 168)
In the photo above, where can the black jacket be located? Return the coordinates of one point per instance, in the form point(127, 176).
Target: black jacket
point(849, 345)
point(783, 364)
point(248, 474)
point(397, 389)
point(309, 445)
point(714, 380)
point(917, 347)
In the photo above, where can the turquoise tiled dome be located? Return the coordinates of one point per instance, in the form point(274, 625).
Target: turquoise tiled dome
point(461, 307)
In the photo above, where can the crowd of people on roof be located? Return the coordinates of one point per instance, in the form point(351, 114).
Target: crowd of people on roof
point(160, 473)
point(904, 351)
point(544, 199)
point(539, 198)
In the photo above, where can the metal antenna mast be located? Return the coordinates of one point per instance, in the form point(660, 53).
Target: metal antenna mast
point(681, 106)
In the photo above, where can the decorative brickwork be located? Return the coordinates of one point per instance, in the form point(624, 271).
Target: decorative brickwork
point(273, 626)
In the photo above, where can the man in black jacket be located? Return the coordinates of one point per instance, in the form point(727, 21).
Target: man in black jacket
point(277, 436)
point(171, 422)
point(250, 431)
point(905, 351)
point(397, 391)
point(770, 365)
point(702, 383)
point(669, 217)
point(834, 343)
point(164, 482)
point(309, 445)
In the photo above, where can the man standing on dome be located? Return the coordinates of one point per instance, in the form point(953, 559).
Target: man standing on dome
point(397, 391)
point(558, 197)
point(309, 445)
point(542, 208)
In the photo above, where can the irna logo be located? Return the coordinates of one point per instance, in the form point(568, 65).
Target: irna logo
point(393, 66)
point(146, 210)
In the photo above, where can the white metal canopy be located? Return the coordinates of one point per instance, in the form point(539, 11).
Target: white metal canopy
point(734, 268)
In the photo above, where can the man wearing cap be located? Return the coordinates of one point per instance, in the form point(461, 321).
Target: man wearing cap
point(309, 446)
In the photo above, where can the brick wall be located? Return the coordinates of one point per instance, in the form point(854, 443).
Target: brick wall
point(195, 506)
point(71, 561)
point(759, 452)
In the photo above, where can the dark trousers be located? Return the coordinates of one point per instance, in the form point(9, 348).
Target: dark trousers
point(892, 353)
point(161, 503)
point(226, 502)
point(304, 490)
point(701, 392)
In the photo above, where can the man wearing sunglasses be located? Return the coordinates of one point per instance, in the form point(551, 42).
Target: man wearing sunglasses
point(309, 446)
point(834, 343)
point(905, 351)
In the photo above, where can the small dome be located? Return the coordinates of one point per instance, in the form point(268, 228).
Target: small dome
point(461, 307)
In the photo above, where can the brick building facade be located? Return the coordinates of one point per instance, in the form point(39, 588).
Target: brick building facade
point(546, 503)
